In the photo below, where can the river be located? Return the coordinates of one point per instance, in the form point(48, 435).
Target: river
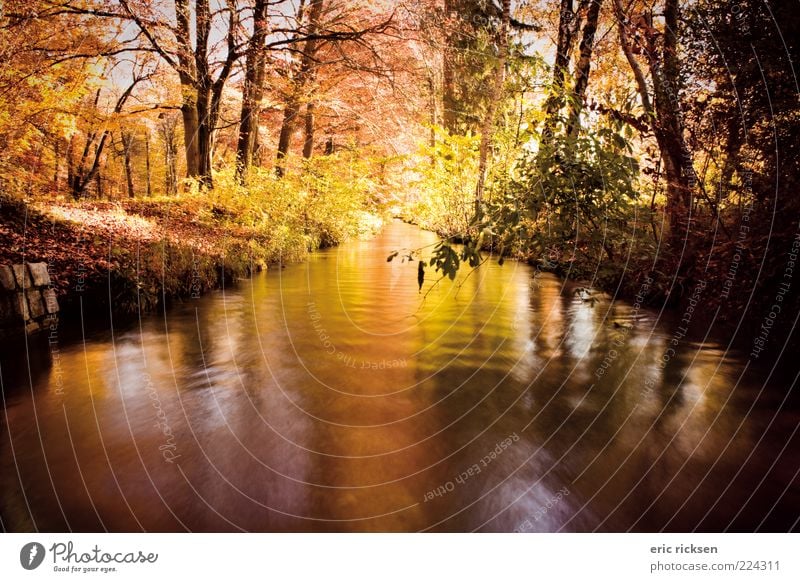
point(332, 396)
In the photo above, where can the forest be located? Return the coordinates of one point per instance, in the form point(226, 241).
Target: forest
point(606, 140)
point(399, 265)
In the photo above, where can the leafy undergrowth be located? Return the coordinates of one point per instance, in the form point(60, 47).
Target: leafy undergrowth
point(135, 253)
point(106, 252)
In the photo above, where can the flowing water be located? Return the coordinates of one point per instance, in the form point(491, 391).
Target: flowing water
point(332, 396)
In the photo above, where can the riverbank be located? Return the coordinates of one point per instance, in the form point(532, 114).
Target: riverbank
point(714, 304)
point(634, 279)
point(137, 255)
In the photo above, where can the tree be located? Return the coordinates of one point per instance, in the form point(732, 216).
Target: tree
point(469, 30)
point(127, 139)
point(203, 67)
point(87, 167)
point(569, 20)
point(663, 109)
point(39, 94)
point(148, 170)
point(339, 39)
point(582, 67)
point(497, 94)
point(299, 77)
point(167, 129)
point(252, 93)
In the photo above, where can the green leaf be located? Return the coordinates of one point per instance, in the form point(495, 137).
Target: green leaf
point(421, 274)
point(393, 255)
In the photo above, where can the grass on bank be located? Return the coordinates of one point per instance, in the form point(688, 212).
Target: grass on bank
point(140, 251)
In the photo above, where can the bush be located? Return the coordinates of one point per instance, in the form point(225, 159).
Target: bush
point(326, 203)
point(445, 190)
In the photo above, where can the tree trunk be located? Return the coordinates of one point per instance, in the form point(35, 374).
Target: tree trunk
point(201, 94)
point(285, 136)
point(204, 137)
point(147, 163)
point(568, 23)
point(56, 163)
point(583, 67)
point(167, 130)
point(255, 64)
point(71, 163)
point(83, 177)
point(207, 108)
point(194, 63)
point(627, 49)
point(187, 73)
point(190, 131)
point(98, 178)
point(449, 99)
point(664, 109)
point(308, 143)
point(127, 146)
point(434, 116)
point(304, 74)
point(665, 72)
point(497, 95)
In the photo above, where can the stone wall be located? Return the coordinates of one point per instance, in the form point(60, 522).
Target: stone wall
point(27, 297)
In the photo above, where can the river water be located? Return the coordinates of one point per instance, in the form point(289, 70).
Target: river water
point(332, 396)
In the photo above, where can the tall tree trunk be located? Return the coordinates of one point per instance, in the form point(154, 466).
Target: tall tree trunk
point(255, 64)
point(308, 143)
point(98, 179)
point(304, 74)
point(568, 24)
point(201, 93)
point(203, 83)
point(626, 43)
point(187, 73)
point(147, 163)
point(71, 163)
point(664, 109)
point(167, 130)
point(449, 99)
point(56, 163)
point(204, 137)
point(285, 136)
point(191, 129)
point(583, 67)
point(434, 116)
point(665, 72)
point(127, 147)
point(209, 100)
point(491, 111)
point(194, 63)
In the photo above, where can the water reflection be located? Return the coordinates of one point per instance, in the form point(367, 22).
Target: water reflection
point(333, 396)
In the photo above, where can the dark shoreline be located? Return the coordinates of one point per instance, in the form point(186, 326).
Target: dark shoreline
point(662, 289)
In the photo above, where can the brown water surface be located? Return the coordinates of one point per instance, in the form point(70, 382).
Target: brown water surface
point(329, 396)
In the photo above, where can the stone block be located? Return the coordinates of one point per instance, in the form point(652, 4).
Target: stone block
point(32, 326)
point(22, 277)
point(50, 301)
point(39, 274)
point(35, 304)
point(7, 278)
point(7, 312)
point(21, 306)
